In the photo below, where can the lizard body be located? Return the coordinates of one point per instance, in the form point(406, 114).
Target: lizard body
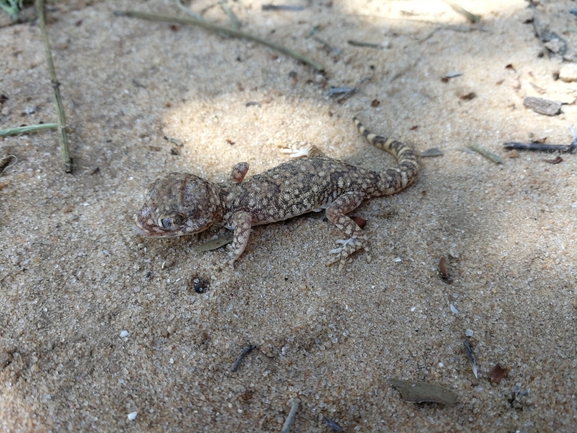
point(183, 204)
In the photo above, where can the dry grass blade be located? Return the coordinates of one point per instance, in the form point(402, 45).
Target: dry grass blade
point(220, 29)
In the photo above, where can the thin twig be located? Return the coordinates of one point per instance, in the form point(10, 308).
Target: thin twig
point(216, 28)
point(246, 349)
point(562, 148)
point(29, 128)
point(63, 137)
point(363, 44)
point(469, 351)
point(289, 420)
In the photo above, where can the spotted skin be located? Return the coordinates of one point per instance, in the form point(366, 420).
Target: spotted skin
point(182, 204)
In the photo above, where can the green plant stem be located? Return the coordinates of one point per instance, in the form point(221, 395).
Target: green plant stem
point(216, 28)
point(25, 129)
point(62, 136)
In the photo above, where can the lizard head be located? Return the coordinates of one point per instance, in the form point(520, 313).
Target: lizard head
point(178, 204)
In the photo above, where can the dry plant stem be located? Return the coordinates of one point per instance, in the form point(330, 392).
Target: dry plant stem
point(63, 137)
point(216, 28)
point(287, 424)
point(188, 11)
point(234, 23)
point(25, 129)
point(194, 15)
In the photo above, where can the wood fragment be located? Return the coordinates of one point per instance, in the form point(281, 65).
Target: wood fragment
point(486, 153)
point(444, 272)
point(542, 106)
point(539, 147)
point(469, 351)
point(174, 141)
point(363, 44)
point(220, 29)
point(332, 425)
point(292, 8)
point(422, 392)
point(429, 153)
point(468, 96)
point(62, 135)
point(246, 350)
point(445, 78)
point(289, 420)
point(553, 161)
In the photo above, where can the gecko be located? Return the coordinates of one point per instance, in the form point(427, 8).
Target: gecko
point(184, 204)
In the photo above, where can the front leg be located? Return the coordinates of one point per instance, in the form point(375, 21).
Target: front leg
point(336, 213)
point(241, 223)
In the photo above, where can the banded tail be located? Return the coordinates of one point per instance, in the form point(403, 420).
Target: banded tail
point(397, 178)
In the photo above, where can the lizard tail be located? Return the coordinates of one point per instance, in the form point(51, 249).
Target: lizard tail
point(397, 178)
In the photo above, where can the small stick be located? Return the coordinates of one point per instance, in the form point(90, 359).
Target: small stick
point(63, 137)
point(363, 44)
point(294, 8)
point(562, 148)
point(29, 128)
point(216, 28)
point(246, 349)
point(471, 357)
point(487, 154)
point(289, 420)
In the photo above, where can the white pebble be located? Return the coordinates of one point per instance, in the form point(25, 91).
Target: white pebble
point(398, 259)
point(132, 416)
point(453, 309)
point(124, 334)
point(469, 333)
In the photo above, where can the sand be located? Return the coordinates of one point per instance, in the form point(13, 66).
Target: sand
point(97, 323)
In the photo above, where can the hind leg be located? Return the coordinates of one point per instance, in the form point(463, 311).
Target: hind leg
point(336, 214)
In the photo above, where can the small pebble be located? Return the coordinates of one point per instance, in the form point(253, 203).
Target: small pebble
point(568, 72)
point(469, 333)
point(124, 334)
point(453, 309)
point(198, 285)
point(132, 416)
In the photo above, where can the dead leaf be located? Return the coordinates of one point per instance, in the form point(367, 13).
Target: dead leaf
point(213, 244)
point(422, 392)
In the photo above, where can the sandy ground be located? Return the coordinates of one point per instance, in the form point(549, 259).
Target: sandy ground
point(74, 275)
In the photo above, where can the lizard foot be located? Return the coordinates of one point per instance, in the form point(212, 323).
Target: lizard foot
point(348, 247)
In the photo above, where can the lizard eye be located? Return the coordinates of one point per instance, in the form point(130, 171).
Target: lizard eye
point(170, 222)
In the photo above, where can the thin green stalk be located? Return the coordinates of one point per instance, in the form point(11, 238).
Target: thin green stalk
point(216, 28)
point(26, 129)
point(63, 137)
